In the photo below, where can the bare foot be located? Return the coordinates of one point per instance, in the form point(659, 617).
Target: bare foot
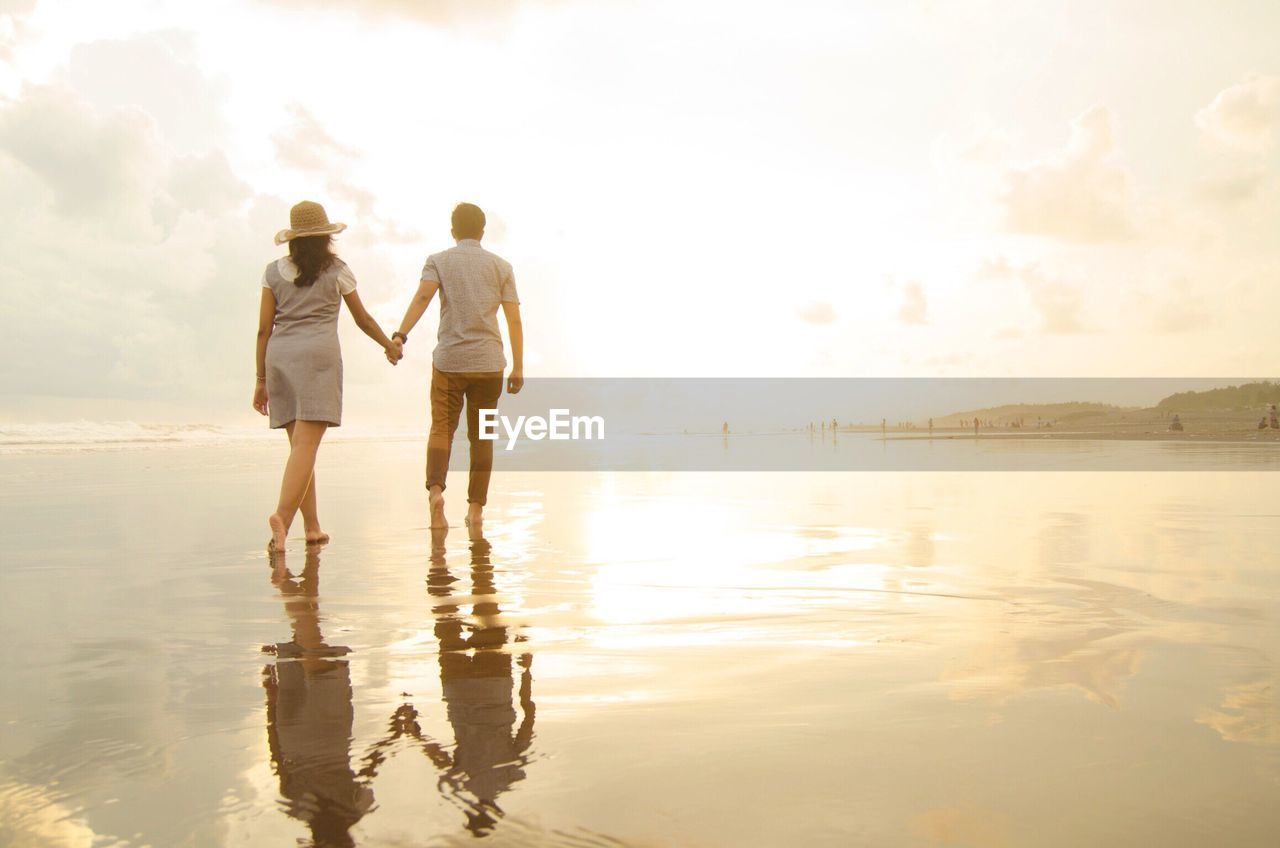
point(278, 533)
point(475, 517)
point(317, 537)
point(436, 500)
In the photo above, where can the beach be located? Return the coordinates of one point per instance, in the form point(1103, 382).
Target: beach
point(636, 658)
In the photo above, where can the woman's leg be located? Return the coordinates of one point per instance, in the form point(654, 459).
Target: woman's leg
point(304, 442)
point(310, 518)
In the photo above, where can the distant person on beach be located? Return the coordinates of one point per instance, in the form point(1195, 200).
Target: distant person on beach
point(299, 363)
point(1271, 413)
point(468, 361)
point(1176, 424)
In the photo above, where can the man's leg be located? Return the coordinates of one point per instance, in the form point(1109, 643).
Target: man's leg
point(482, 391)
point(446, 405)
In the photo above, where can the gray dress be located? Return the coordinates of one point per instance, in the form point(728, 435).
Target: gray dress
point(304, 361)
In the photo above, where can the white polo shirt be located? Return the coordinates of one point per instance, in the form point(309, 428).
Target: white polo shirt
point(473, 284)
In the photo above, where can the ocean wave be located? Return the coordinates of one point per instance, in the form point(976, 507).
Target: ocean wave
point(74, 436)
point(103, 435)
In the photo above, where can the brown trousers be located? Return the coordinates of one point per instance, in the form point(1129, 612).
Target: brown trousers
point(449, 389)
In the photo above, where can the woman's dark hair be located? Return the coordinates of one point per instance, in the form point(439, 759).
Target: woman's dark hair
point(312, 255)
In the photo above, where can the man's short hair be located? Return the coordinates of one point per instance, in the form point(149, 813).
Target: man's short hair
point(468, 221)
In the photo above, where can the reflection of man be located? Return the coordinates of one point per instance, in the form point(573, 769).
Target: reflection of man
point(309, 718)
point(477, 676)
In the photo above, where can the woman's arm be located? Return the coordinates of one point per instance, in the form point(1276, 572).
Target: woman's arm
point(516, 330)
point(370, 327)
point(266, 322)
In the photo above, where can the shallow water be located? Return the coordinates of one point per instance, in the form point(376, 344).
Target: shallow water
point(966, 658)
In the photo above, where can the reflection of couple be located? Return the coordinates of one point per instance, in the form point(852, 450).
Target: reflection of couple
point(309, 711)
point(299, 363)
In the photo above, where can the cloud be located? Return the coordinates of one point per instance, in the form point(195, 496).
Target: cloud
point(205, 183)
point(817, 312)
point(1245, 116)
point(1233, 187)
point(12, 23)
point(995, 268)
point(914, 308)
point(981, 144)
point(1176, 308)
point(139, 249)
point(123, 249)
point(306, 145)
point(1078, 193)
point(125, 297)
point(438, 12)
point(92, 163)
point(1057, 304)
point(157, 73)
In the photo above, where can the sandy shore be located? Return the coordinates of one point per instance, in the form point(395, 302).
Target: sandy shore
point(635, 659)
point(1130, 425)
point(1134, 435)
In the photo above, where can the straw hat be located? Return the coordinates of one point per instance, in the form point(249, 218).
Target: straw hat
point(308, 219)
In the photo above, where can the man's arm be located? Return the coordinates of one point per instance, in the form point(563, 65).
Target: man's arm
point(421, 300)
point(516, 331)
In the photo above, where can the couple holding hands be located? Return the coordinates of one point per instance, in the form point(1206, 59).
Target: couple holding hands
point(299, 363)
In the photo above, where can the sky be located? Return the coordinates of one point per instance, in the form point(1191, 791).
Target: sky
point(711, 189)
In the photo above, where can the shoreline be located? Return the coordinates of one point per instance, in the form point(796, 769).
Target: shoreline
point(1262, 437)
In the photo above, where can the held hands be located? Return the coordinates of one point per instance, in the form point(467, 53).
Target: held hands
point(395, 352)
point(515, 382)
point(260, 398)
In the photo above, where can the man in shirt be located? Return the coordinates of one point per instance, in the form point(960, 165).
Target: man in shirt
point(468, 361)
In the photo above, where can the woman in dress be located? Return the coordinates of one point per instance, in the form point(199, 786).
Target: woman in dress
point(298, 358)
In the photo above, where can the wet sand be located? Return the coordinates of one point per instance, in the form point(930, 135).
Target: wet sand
point(1123, 425)
point(748, 659)
point(1136, 434)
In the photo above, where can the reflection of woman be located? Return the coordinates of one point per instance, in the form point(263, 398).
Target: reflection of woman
point(309, 717)
point(477, 677)
point(298, 359)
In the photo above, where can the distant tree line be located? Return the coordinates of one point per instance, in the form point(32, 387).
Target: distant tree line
point(1248, 396)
